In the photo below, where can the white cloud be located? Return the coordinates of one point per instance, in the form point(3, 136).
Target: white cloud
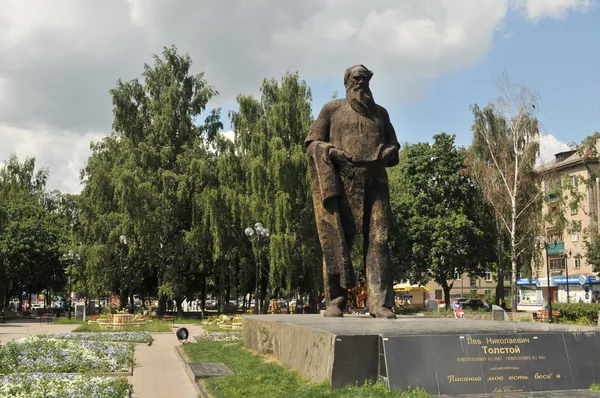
point(60, 58)
point(549, 146)
point(558, 9)
point(230, 135)
point(64, 153)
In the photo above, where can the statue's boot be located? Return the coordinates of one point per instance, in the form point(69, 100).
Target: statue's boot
point(384, 313)
point(335, 308)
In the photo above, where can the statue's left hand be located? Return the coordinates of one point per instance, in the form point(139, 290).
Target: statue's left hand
point(388, 155)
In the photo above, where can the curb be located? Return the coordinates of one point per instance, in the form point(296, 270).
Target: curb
point(188, 371)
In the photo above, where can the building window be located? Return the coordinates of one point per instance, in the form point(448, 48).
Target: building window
point(574, 181)
point(488, 276)
point(506, 277)
point(438, 294)
point(557, 263)
point(473, 281)
point(577, 262)
point(488, 293)
point(575, 236)
point(506, 292)
point(456, 275)
point(474, 293)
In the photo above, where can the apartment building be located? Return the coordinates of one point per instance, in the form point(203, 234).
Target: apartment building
point(566, 264)
point(468, 286)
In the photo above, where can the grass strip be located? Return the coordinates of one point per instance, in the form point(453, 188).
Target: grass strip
point(255, 377)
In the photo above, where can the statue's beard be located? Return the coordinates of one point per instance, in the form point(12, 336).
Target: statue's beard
point(360, 100)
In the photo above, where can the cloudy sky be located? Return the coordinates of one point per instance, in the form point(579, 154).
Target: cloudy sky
point(431, 58)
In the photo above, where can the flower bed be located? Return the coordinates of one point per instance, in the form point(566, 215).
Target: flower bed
point(42, 385)
point(40, 354)
point(220, 336)
point(129, 337)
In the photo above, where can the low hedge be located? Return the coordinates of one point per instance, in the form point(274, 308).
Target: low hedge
point(577, 312)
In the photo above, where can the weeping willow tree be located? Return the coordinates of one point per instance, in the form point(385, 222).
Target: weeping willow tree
point(269, 136)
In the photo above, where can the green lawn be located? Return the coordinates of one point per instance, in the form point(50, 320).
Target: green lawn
point(154, 326)
point(253, 377)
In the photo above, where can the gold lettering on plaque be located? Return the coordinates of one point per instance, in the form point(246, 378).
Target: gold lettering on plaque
point(538, 376)
point(457, 379)
point(518, 377)
point(501, 350)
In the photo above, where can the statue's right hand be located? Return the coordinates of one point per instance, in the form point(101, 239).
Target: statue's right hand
point(341, 160)
point(339, 157)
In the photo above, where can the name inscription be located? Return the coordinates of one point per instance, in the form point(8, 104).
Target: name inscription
point(501, 349)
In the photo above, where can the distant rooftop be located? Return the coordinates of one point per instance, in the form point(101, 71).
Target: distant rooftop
point(564, 159)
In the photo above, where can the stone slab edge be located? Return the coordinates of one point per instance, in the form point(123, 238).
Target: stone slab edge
point(190, 373)
point(307, 350)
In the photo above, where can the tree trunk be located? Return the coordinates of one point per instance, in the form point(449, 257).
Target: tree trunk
point(179, 303)
point(446, 289)
point(500, 273)
point(500, 284)
point(203, 293)
point(513, 258)
point(162, 306)
point(122, 299)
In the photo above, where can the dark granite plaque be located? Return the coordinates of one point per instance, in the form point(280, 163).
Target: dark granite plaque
point(583, 350)
point(356, 358)
point(489, 363)
point(209, 369)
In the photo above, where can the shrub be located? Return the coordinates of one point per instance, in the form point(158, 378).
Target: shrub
point(586, 313)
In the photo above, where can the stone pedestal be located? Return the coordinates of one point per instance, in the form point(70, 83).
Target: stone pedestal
point(444, 356)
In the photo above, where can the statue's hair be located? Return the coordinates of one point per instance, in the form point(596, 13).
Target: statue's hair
point(349, 71)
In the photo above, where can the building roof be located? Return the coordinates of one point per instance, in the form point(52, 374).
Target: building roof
point(563, 160)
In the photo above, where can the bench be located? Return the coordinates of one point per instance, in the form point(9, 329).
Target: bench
point(46, 317)
point(169, 318)
point(542, 315)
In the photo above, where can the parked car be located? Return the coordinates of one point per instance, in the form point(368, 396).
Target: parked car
point(473, 304)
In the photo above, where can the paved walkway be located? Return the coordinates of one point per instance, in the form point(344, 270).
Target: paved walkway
point(17, 330)
point(158, 372)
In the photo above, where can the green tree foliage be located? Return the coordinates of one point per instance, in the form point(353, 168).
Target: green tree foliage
point(137, 183)
point(183, 194)
point(31, 231)
point(269, 136)
point(442, 225)
point(502, 162)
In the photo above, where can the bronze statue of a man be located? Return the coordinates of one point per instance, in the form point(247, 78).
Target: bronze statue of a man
point(349, 146)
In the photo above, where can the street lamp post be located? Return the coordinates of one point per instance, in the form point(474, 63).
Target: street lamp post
point(123, 245)
point(259, 235)
point(541, 241)
point(566, 254)
point(69, 258)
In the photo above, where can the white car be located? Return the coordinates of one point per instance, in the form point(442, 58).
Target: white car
point(37, 306)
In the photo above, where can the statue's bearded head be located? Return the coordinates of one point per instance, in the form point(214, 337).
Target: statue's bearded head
point(358, 93)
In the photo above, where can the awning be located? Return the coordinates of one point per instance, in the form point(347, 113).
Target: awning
point(401, 287)
point(526, 281)
point(574, 280)
point(555, 249)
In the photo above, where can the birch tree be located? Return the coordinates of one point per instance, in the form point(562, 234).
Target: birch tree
point(502, 161)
